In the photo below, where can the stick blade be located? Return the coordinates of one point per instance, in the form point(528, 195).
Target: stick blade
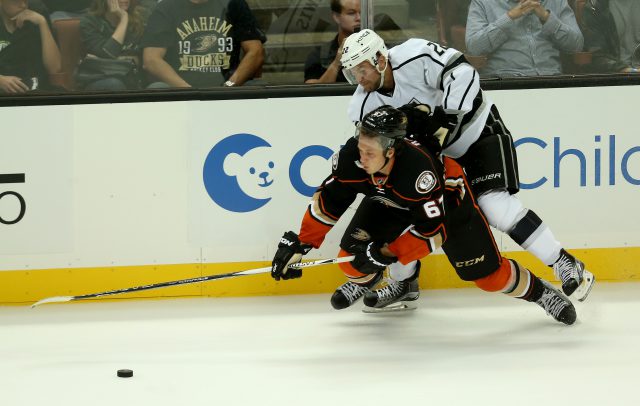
point(54, 299)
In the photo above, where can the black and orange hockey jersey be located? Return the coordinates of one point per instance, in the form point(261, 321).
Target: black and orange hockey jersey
point(416, 184)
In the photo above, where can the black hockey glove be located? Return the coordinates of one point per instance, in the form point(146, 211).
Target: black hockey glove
point(429, 127)
point(418, 117)
point(290, 251)
point(369, 259)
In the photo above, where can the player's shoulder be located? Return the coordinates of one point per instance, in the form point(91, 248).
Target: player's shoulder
point(413, 45)
point(414, 48)
point(410, 49)
point(418, 152)
point(419, 174)
point(418, 50)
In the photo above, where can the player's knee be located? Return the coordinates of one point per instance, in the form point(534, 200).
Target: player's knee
point(349, 270)
point(499, 280)
point(502, 210)
point(350, 244)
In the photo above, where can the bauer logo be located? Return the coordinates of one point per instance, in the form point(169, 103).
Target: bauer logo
point(239, 172)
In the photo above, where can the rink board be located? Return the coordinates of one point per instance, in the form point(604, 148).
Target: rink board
point(27, 287)
point(99, 197)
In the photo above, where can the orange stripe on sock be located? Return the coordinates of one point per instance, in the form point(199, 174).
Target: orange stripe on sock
point(348, 269)
point(499, 280)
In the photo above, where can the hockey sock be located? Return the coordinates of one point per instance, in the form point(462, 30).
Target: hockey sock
point(534, 236)
point(399, 272)
point(513, 280)
point(352, 273)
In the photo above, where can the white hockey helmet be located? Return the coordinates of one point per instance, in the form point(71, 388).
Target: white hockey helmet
point(361, 46)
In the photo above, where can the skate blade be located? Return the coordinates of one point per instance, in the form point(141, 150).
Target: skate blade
point(395, 307)
point(588, 280)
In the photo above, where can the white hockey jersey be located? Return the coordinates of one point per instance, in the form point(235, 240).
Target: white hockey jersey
point(427, 73)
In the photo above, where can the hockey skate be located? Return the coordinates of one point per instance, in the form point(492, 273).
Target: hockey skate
point(348, 293)
point(388, 297)
point(556, 304)
point(576, 280)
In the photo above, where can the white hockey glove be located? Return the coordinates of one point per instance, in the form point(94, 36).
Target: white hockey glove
point(290, 251)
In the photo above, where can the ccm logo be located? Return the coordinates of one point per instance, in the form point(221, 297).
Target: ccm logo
point(470, 262)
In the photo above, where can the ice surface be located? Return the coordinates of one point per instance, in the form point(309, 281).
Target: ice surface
point(460, 347)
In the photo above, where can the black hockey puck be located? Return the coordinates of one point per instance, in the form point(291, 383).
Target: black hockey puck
point(125, 373)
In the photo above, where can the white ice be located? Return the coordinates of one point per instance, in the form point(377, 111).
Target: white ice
point(461, 347)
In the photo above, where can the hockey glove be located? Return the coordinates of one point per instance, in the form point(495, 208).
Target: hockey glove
point(290, 251)
point(369, 259)
point(429, 127)
point(418, 117)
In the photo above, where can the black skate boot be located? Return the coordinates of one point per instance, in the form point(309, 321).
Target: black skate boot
point(348, 293)
point(395, 291)
point(556, 304)
point(574, 277)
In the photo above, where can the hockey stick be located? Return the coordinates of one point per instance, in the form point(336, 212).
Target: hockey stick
point(56, 299)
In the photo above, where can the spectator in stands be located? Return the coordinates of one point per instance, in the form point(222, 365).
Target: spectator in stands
point(112, 29)
point(522, 37)
point(323, 63)
point(198, 42)
point(147, 7)
point(62, 9)
point(612, 34)
point(28, 52)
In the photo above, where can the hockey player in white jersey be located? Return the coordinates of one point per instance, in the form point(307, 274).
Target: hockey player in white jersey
point(440, 92)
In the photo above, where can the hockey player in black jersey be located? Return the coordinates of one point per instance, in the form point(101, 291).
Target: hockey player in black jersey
point(417, 74)
point(415, 201)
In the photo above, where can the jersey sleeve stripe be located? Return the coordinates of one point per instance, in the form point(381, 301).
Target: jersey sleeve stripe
point(353, 180)
point(445, 104)
point(317, 214)
point(477, 104)
point(312, 231)
point(468, 119)
point(418, 57)
point(466, 92)
point(464, 96)
point(364, 102)
point(454, 184)
point(449, 67)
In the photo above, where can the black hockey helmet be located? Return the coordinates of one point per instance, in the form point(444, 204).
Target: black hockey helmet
point(386, 121)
